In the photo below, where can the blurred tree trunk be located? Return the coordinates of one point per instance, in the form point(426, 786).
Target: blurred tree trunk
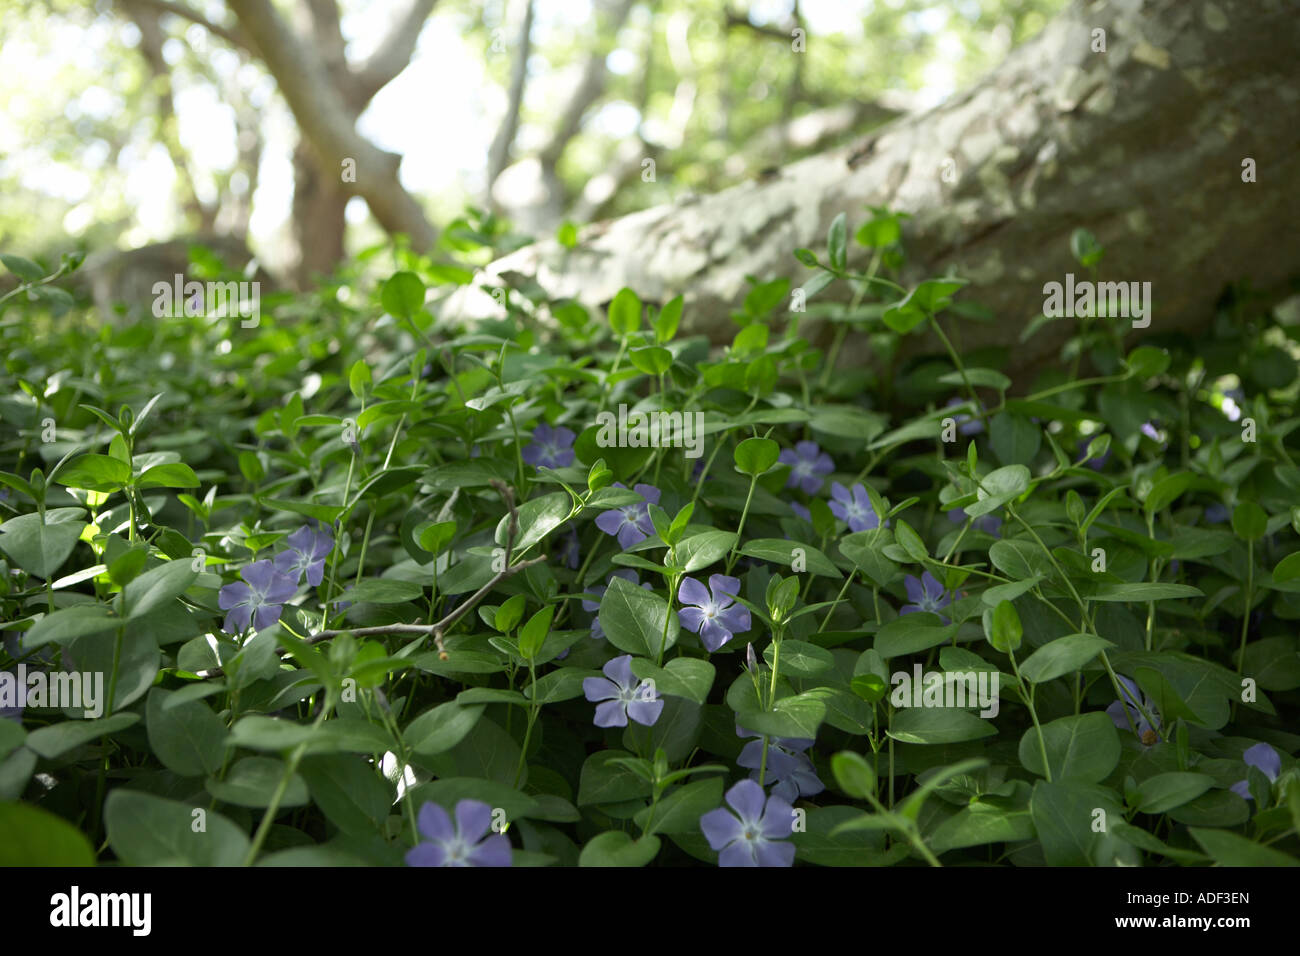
point(1143, 144)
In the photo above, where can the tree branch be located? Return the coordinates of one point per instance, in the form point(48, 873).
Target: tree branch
point(499, 154)
point(231, 36)
point(393, 54)
point(325, 119)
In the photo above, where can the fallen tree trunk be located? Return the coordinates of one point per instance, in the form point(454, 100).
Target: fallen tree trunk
point(1144, 144)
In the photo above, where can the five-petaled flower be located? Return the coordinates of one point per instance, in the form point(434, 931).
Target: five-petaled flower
point(1126, 715)
point(926, 594)
point(1265, 759)
point(630, 524)
point(808, 466)
point(308, 549)
point(787, 766)
point(854, 508)
point(624, 695)
point(260, 600)
point(627, 574)
point(462, 843)
point(714, 614)
point(753, 835)
point(551, 447)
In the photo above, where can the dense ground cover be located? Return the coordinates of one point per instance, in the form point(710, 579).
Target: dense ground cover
point(362, 588)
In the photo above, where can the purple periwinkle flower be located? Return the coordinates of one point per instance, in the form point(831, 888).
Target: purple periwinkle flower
point(1155, 434)
point(854, 509)
point(1217, 513)
point(990, 524)
point(623, 694)
point(571, 550)
point(630, 524)
point(627, 574)
point(787, 766)
point(1122, 711)
point(260, 600)
point(464, 843)
point(1231, 404)
point(808, 466)
point(1266, 760)
point(966, 424)
point(551, 447)
point(754, 834)
point(926, 594)
point(714, 614)
point(308, 549)
point(801, 511)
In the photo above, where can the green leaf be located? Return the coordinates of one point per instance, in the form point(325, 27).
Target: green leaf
point(1288, 569)
point(1016, 440)
point(1147, 362)
point(910, 633)
point(853, 774)
point(24, 269)
point(39, 546)
point(782, 551)
point(652, 360)
point(997, 488)
point(634, 619)
point(1229, 849)
point(1003, 628)
point(687, 677)
point(441, 728)
point(56, 740)
point(755, 456)
point(349, 791)
point(95, 473)
point(798, 717)
point(30, 836)
point(1062, 656)
point(173, 475)
point(625, 313)
point(189, 739)
point(1165, 791)
point(68, 623)
point(1144, 591)
point(800, 659)
point(382, 591)
point(402, 294)
point(980, 824)
point(538, 517)
point(157, 587)
point(359, 378)
point(616, 848)
point(603, 781)
point(701, 550)
point(1068, 818)
point(1249, 521)
point(940, 725)
point(255, 781)
point(836, 239)
point(1081, 747)
point(1166, 491)
point(532, 634)
point(145, 830)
